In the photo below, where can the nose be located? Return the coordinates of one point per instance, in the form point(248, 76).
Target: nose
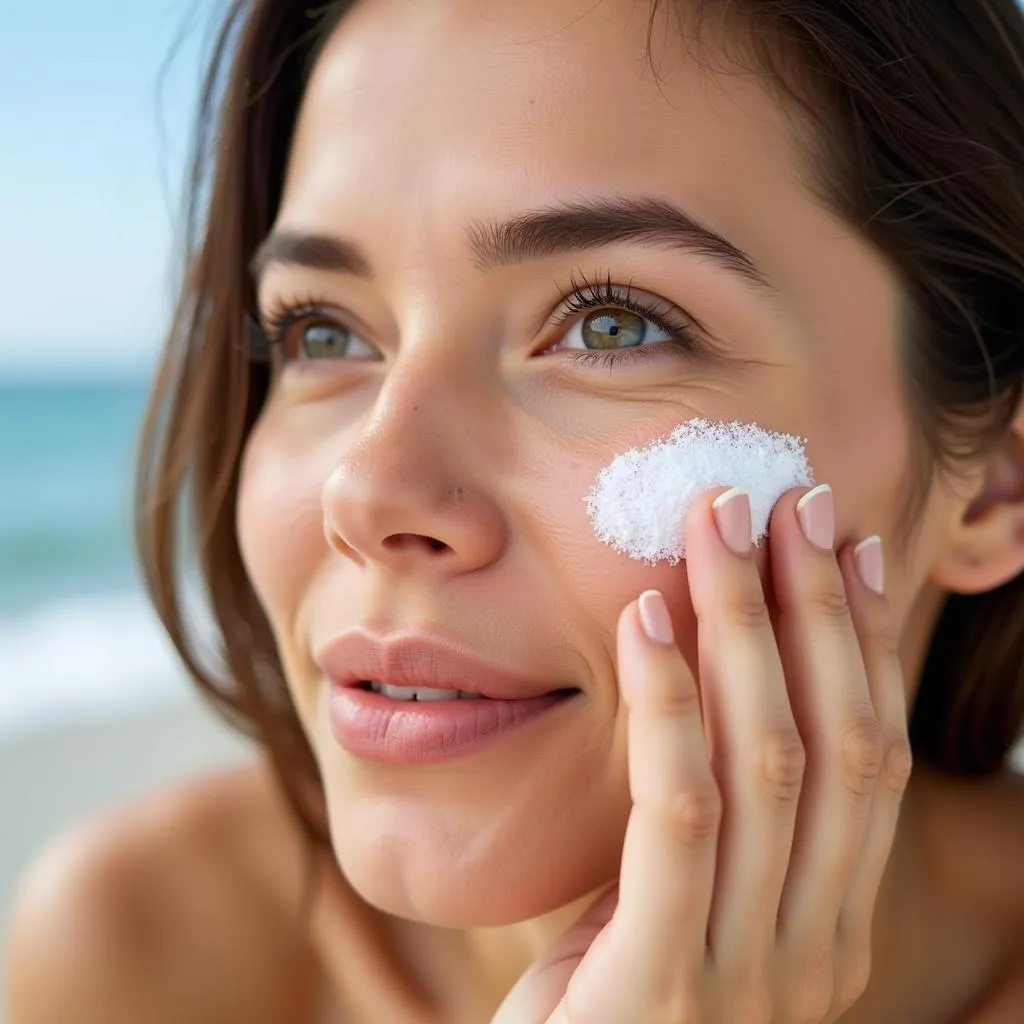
point(403, 498)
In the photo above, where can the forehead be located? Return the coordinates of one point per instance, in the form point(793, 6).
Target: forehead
point(437, 107)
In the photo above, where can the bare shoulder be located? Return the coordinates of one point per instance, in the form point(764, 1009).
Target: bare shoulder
point(173, 907)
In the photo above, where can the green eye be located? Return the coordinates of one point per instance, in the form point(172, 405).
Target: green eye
point(323, 340)
point(612, 329)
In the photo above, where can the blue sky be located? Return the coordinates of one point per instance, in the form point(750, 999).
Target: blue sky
point(92, 146)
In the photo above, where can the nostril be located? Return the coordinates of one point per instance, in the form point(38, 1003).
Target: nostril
point(400, 541)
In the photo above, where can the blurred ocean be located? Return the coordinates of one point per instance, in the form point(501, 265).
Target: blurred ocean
point(77, 637)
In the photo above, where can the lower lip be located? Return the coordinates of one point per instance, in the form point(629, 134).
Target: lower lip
point(377, 728)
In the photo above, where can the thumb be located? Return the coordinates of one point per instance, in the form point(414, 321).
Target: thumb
point(537, 994)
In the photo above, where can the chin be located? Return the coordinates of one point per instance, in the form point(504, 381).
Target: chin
point(501, 888)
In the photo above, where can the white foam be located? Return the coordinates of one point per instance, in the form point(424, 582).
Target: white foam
point(639, 503)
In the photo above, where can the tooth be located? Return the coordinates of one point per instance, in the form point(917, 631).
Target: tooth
point(398, 692)
point(468, 696)
point(415, 692)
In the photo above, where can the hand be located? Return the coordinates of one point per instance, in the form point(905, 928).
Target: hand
point(765, 800)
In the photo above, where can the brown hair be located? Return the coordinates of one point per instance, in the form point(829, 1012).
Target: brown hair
point(918, 106)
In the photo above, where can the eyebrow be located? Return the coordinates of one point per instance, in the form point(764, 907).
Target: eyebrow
point(534, 235)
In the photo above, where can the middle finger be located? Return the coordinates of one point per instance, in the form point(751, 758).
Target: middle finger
point(832, 704)
point(755, 748)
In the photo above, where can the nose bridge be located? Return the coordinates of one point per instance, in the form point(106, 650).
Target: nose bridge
point(418, 417)
point(410, 491)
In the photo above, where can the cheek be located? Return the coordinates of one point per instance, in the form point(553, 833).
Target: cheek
point(280, 526)
point(866, 461)
point(588, 576)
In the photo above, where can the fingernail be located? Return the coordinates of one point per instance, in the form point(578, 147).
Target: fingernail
point(654, 618)
point(732, 517)
point(871, 564)
point(816, 512)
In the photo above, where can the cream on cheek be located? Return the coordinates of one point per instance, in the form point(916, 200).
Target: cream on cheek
point(639, 503)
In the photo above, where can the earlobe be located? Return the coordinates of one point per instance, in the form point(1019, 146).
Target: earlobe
point(985, 545)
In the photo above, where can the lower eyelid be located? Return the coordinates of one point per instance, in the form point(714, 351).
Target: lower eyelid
point(636, 353)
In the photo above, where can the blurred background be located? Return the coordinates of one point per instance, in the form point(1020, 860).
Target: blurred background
point(94, 122)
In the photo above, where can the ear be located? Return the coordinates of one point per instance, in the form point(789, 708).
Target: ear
point(985, 544)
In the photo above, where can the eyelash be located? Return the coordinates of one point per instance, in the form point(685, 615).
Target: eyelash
point(584, 297)
point(581, 298)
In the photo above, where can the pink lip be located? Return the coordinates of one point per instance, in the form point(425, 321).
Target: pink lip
point(355, 657)
point(375, 727)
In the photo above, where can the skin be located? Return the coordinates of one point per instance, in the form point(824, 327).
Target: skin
point(456, 386)
point(466, 421)
point(466, 393)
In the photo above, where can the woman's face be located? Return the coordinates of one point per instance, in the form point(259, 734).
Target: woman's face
point(422, 464)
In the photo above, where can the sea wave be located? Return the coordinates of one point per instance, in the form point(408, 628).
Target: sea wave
point(82, 659)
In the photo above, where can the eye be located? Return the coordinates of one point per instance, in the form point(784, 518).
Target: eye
point(611, 329)
point(304, 333)
point(324, 340)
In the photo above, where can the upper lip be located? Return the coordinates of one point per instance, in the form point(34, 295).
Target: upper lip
point(355, 657)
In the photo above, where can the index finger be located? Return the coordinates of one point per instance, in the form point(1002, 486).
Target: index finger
point(668, 861)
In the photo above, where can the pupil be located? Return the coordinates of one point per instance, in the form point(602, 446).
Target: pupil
point(325, 339)
point(611, 329)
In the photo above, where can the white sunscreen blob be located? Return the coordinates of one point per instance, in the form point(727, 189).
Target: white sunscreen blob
point(639, 503)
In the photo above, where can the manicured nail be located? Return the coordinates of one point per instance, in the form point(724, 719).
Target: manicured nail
point(871, 564)
point(816, 512)
point(732, 517)
point(654, 618)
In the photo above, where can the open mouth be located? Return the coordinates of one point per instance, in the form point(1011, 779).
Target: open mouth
point(430, 693)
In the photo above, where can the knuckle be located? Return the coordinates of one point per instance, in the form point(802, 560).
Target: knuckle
point(899, 764)
point(783, 763)
point(829, 602)
point(692, 815)
point(676, 701)
point(863, 754)
point(747, 608)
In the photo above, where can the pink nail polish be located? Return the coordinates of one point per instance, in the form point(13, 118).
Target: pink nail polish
point(871, 564)
point(816, 512)
point(654, 618)
point(732, 517)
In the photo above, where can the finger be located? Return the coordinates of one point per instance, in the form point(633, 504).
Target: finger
point(658, 931)
point(757, 755)
point(876, 631)
point(834, 712)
